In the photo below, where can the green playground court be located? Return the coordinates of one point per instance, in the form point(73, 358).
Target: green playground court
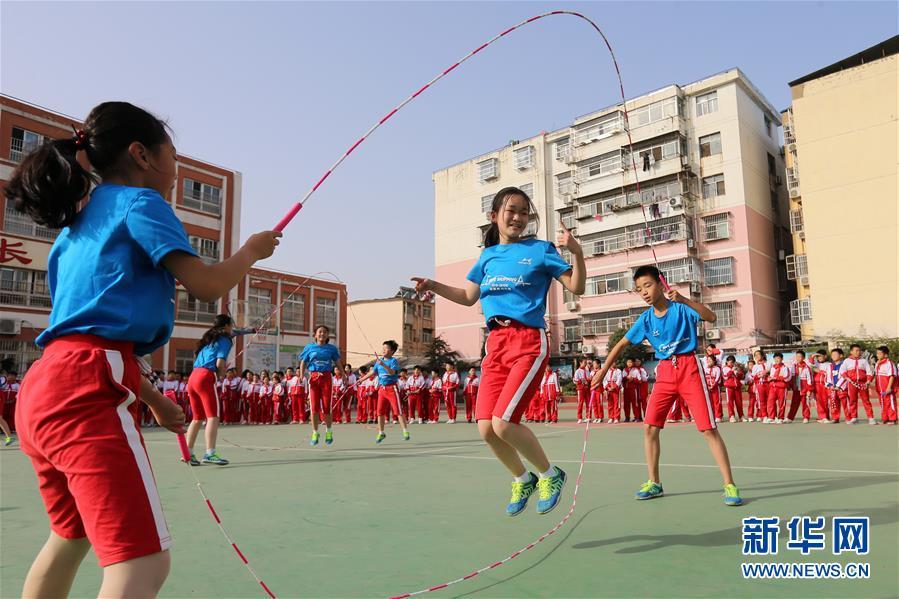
point(360, 520)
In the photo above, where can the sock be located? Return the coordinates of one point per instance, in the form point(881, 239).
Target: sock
point(405, 430)
point(327, 429)
point(549, 473)
point(210, 451)
point(524, 478)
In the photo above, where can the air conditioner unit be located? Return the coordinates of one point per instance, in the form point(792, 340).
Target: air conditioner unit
point(568, 199)
point(713, 334)
point(691, 243)
point(586, 349)
point(564, 347)
point(575, 346)
point(794, 192)
point(676, 202)
point(9, 326)
point(695, 287)
point(572, 306)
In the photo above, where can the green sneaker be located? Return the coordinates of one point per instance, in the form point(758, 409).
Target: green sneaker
point(314, 440)
point(380, 437)
point(550, 490)
point(8, 441)
point(520, 494)
point(732, 495)
point(215, 458)
point(406, 436)
point(649, 490)
point(193, 461)
point(329, 437)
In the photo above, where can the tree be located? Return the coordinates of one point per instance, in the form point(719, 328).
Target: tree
point(439, 353)
point(632, 351)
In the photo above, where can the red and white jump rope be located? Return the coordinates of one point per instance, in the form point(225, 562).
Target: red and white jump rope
point(296, 208)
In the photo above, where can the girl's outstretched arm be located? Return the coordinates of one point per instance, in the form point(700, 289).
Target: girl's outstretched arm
point(467, 296)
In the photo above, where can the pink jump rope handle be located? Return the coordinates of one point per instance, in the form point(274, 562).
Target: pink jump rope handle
point(182, 443)
point(287, 218)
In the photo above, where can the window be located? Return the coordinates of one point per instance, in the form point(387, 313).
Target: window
point(20, 287)
point(726, 313)
point(326, 313)
point(563, 149)
point(259, 307)
point(797, 268)
point(21, 224)
point(488, 169)
point(768, 126)
point(184, 360)
point(486, 203)
point(719, 271)
point(602, 165)
point(23, 353)
point(293, 313)
point(656, 111)
point(207, 249)
point(527, 188)
point(202, 196)
point(772, 165)
point(683, 270)
point(572, 330)
point(797, 226)
point(662, 230)
point(713, 186)
point(525, 157)
point(605, 126)
point(606, 323)
point(427, 312)
point(193, 310)
point(569, 220)
point(710, 145)
point(707, 103)
point(427, 335)
point(716, 226)
point(610, 283)
point(23, 142)
point(801, 311)
point(663, 151)
point(564, 184)
point(567, 296)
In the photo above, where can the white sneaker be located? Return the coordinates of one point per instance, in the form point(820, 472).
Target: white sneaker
point(617, 421)
point(579, 421)
point(787, 421)
point(778, 421)
point(852, 421)
point(805, 421)
point(732, 419)
point(747, 420)
point(451, 421)
point(670, 420)
point(872, 422)
point(824, 421)
point(717, 420)
point(766, 421)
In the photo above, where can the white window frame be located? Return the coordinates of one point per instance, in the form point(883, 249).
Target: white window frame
point(293, 313)
point(204, 197)
point(564, 183)
point(602, 165)
point(528, 188)
point(193, 310)
point(682, 270)
point(712, 142)
point(797, 268)
point(718, 271)
point(713, 186)
point(22, 287)
point(716, 227)
point(608, 283)
point(652, 113)
point(487, 203)
point(207, 249)
point(563, 149)
point(488, 170)
point(21, 224)
point(525, 157)
point(707, 103)
point(23, 353)
point(326, 313)
point(726, 313)
point(607, 125)
point(20, 147)
point(797, 223)
point(801, 311)
point(184, 360)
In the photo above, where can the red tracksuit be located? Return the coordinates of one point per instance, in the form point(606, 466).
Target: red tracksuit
point(450, 385)
point(612, 387)
point(436, 396)
point(713, 381)
point(551, 391)
point(836, 390)
point(802, 386)
point(857, 372)
point(582, 384)
point(759, 399)
point(416, 388)
point(733, 391)
point(630, 385)
point(277, 402)
point(778, 380)
point(887, 391)
point(821, 392)
point(471, 396)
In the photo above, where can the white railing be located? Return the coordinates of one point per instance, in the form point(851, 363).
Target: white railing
point(20, 224)
point(196, 311)
point(19, 293)
point(606, 326)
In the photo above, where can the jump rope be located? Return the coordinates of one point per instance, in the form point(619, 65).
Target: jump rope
point(299, 205)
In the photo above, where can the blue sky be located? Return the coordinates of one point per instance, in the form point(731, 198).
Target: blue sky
point(279, 90)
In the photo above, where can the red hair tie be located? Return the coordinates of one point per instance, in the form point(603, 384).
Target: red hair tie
point(80, 138)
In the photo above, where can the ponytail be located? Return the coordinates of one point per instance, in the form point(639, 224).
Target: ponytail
point(50, 183)
point(217, 330)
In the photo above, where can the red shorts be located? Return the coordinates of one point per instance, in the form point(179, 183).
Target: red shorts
point(681, 376)
point(320, 392)
point(387, 398)
point(203, 394)
point(76, 417)
point(511, 372)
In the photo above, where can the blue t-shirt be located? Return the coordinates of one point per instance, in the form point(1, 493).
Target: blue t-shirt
point(515, 277)
point(320, 358)
point(384, 378)
point(220, 348)
point(105, 271)
point(673, 333)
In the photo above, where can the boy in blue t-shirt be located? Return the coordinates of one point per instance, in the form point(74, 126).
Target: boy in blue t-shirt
point(670, 327)
point(387, 369)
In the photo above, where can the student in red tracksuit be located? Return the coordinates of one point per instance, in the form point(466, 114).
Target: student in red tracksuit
point(351, 384)
point(436, 396)
point(170, 386)
point(471, 394)
point(416, 389)
point(278, 397)
point(713, 380)
point(643, 388)
point(821, 391)
point(338, 391)
point(254, 404)
point(595, 394)
point(265, 401)
point(857, 372)
point(362, 396)
point(582, 387)
point(733, 385)
point(611, 384)
point(551, 392)
point(803, 385)
point(886, 384)
point(778, 382)
point(753, 408)
point(234, 390)
point(450, 387)
point(630, 381)
point(10, 393)
point(836, 386)
point(760, 386)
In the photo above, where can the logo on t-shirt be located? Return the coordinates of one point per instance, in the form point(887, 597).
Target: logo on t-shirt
point(504, 283)
point(525, 261)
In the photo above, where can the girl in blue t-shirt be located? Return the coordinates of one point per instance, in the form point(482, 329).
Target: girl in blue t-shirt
point(511, 278)
point(319, 359)
point(111, 272)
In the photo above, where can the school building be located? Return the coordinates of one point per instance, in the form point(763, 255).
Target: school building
point(207, 200)
point(708, 159)
point(840, 133)
point(406, 318)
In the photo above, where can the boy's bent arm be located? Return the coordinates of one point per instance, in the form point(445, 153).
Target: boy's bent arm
point(610, 359)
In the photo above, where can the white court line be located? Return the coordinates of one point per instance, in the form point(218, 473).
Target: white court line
point(599, 462)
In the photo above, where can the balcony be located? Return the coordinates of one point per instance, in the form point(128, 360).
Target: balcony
point(21, 224)
point(637, 236)
point(606, 326)
point(20, 293)
point(192, 310)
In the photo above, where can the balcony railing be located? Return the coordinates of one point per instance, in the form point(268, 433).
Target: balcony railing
point(195, 311)
point(20, 224)
point(19, 293)
point(606, 326)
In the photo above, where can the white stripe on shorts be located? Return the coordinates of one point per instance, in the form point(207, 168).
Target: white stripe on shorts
point(528, 379)
point(114, 359)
